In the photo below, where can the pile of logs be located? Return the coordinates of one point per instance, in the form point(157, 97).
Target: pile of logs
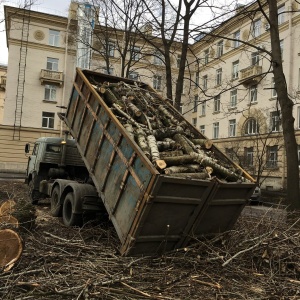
point(15, 217)
point(173, 146)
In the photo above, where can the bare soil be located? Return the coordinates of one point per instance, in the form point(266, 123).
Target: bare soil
point(258, 259)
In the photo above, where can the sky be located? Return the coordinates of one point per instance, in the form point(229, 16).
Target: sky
point(55, 7)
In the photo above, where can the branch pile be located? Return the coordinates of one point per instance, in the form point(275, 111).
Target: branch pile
point(173, 146)
point(258, 259)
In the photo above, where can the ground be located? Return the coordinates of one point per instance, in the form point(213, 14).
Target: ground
point(258, 259)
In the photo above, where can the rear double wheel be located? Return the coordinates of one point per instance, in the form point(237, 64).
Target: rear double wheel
point(56, 206)
point(69, 217)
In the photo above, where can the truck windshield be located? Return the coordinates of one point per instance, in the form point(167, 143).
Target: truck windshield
point(53, 148)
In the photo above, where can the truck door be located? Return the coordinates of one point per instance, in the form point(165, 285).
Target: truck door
point(31, 165)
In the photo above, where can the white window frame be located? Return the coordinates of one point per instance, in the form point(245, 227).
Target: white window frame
point(202, 129)
point(272, 156)
point(249, 156)
point(48, 120)
point(133, 75)
point(203, 109)
point(194, 122)
point(205, 81)
point(237, 37)
point(232, 127)
point(255, 58)
point(216, 127)
point(273, 91)
point(158, 58)
point(54, 37)
point(136, 53)
point(111, 48)
point(253, 93)
point(219, 76)
point(50, 92)
point(52, 64)
point(157, 82)
point(233, 98)
point(251, 126)
point(197, 79)
point(217, 104)
point(196, 102)
point(256, 28)
point(280, 11)
point(206, 56)
point(235, 69)
point(220, 46)
point(275, 121)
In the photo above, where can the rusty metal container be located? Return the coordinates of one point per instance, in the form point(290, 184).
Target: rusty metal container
point(151, 212)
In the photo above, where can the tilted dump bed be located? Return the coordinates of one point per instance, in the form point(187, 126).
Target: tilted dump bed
point(152, 212)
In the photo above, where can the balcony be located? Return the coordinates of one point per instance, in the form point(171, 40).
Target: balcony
point(2, 83)
point(52, 77)
point(251, 75)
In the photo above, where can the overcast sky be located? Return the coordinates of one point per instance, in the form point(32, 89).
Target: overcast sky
point(55, 7)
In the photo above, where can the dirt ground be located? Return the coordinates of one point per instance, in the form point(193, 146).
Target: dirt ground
point(258, 259)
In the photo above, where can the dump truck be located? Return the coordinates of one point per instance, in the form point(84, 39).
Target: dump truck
point(129, 154)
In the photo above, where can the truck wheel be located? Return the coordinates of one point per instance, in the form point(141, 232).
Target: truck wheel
point(33, 194)
point(56, 207)
point(69, 218)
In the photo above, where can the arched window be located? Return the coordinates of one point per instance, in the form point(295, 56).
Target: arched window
point(251, 126)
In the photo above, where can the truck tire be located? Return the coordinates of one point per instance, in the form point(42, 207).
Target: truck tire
point(33, 194)
point(69, 218)
point(56, 206)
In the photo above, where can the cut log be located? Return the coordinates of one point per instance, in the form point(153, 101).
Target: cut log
point(162, 133)
point(142, 142)
point(165, 112)
point(8, 221)
point(183, 169)
point(167, 144)
point(129, 129)
point(202, 175)
point(178, 160)
point(7, 207)
point(160, 164)
point(205, 143)
point(153, 148)
point(171, 153)
point(10, 248)
point(136, 112)
point(180, 139)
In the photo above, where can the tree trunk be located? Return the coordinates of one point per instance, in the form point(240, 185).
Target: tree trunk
point(286, 105)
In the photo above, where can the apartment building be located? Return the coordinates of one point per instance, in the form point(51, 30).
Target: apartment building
point(235, 102)
point(44, 51)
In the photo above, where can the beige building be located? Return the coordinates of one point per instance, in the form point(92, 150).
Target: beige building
point(230, 98)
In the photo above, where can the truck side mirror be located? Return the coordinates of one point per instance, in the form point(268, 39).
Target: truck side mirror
point(27, 148)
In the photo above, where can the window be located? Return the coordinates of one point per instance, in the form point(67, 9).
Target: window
point(272, 156)
point(194, 122)
point(256, 26)
point(203, 109)
point(253, 94)
point(220, 49)
point(298, 116)
point(233, 98)
point(47, 120)
point(248, 155)
point(281, 11)
point(251, 126)
point(157, 82)
point(275, 121)
point(281, 47)
point(158, 58)
point(133, 75)
point(53, 37)
point(52, 64)
point(235, 69)
point(197, 76)
point(50, 92)
point(206, 56)
point(135, 55)
point(217, 103)
point(273, 91)
point(216, 130)
point(219, 76)
point(254, 58)
point(111, 49)
point(230, 153)
point(232, 127)
point(205, 82)
point(202, 129)
point(237, 37)
point(196, 100)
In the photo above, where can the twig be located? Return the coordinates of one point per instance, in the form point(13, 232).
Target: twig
point(136, 290)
